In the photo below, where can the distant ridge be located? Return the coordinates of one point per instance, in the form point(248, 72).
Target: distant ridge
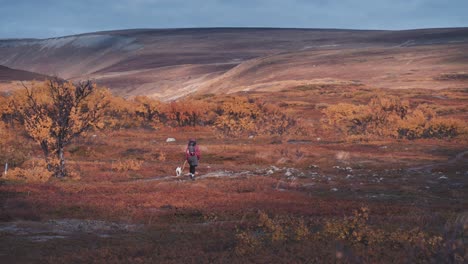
point(9, 74)
point(171, 63)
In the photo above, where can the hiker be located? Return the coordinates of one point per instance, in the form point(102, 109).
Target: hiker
point(192, 154)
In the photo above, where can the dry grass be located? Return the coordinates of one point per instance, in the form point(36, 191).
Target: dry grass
point(289, 199)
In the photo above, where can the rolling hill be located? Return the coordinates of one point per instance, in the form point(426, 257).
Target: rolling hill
point(8, 74)
point(170, 63)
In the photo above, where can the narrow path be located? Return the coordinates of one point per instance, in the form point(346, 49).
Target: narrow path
point(428, 167)
point(215, 174)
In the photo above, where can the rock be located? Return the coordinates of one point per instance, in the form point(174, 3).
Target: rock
point(288, 174)
point(342, 155)
point(274, 168)
point(334, 189)
point(170, 140)
point(269, 172)
point(443, 177)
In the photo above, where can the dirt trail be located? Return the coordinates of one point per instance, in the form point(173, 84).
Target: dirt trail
point(63, 228)
point(429, 167)
point(215, 174)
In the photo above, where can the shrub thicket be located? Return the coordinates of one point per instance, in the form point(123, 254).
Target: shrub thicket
point(391, 117)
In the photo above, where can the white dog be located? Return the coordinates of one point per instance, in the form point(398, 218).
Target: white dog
point(178, 171)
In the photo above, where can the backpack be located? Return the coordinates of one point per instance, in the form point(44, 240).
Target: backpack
point(191, 149)
point(192, 158)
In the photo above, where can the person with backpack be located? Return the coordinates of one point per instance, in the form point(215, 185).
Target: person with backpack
point(193, 154)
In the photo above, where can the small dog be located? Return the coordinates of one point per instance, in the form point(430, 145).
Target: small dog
point(178, 171)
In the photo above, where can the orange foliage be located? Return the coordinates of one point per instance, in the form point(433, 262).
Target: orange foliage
point(120, 114)
point(237, 116)
point(148, 109)
point(240, 115)
point(274, 121)
point(36, 172)
point(188, 112)
point(14, 150)
point(388, 116)
point(423, 123)
point(55, 112)
point(3, 134)
point(127, 165)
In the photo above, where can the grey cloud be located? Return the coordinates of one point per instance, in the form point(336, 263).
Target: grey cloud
point(47, 18)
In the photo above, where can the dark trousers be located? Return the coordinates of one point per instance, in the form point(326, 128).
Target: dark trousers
point(192, 169)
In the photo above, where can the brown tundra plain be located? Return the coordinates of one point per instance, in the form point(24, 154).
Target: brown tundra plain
point(317, 146)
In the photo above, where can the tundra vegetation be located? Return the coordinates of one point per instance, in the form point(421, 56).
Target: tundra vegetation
point(309, 174)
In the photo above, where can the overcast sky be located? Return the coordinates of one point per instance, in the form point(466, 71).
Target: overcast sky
point(51, 18)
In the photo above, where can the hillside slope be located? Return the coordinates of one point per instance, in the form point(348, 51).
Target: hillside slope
point(8, 74)
point(175, 62)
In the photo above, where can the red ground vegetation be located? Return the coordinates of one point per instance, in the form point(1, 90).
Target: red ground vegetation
point(311, 197)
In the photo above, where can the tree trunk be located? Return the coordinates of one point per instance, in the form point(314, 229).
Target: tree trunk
point(61, 171)
point(45, 150)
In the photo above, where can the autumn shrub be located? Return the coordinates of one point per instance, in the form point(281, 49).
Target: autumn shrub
point(357, 231)
point(274, 230)
point(121, 113)
point(36, 171)
point(435, 128)
point(321, 106)
point(377, 118)
point(236, 116)
point(301, 230)
point(423, 122)
point(187, 112)
point(354, 228)
point(388, 116)
point(148, 110)
point(162, 156)
point(14, 150)
point(247, 242)
point(273, 121)
point(269, 231)
point(3, 106)
point(243, 116)
point(127, 165)
point(7, 113)
point(3, 133)
point(55, 112)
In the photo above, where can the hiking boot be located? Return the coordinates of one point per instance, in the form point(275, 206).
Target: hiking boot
point(192, 176)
